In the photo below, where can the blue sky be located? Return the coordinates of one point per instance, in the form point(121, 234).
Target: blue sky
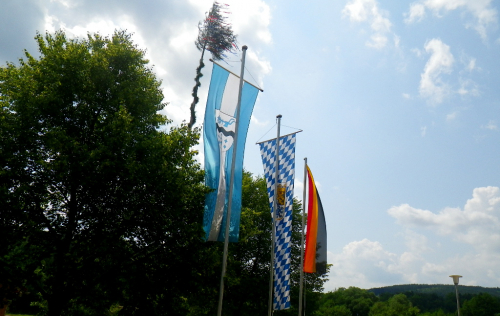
point(399, 102)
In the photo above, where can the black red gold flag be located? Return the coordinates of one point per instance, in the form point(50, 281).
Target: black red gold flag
point(315, 254)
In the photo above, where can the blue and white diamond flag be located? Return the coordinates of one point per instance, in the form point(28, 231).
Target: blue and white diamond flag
point(283, 214)
point(218, 136)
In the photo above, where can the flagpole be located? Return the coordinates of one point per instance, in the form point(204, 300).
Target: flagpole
point(275, 206)
point(302, 239)
point(228, 213)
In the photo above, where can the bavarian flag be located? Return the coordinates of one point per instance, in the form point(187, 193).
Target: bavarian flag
point(315, 254)
point(281, 189)
point(219, 131)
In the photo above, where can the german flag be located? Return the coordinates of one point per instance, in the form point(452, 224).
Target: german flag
point(315, 254)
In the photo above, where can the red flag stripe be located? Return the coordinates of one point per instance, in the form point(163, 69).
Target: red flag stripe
point(312, 226)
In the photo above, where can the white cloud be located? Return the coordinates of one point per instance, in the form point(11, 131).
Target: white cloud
point(417, 13)
point(491, 126)
point(397, 41)
point(368, 11)
point(406, 96)
point(472, 64)
point(377, 41)
point(440, 62)
point(366, 263)
point(451, 116)
point(363, 263)
point(468, 87)
point(258, 122)
point(358, 10)
point(478, 224)
point(416, 243)
point(423, 131)
point(66, 3)
point(167, 31)
point(482, 11)
point(417, 52)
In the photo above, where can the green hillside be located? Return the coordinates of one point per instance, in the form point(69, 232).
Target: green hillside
point(439, 289)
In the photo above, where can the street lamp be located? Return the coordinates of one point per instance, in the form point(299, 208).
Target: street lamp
point(455, 281)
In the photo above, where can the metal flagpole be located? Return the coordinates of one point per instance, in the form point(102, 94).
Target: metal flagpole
point(228, 213)
point(302, 240)
point(275, 206)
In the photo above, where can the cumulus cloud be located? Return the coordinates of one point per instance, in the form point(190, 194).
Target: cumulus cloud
point(368, 11)
point(361, 262)
point(18, 21)
point(417, 12)
point(477, 224)
point(440, 62)
point(482, 11)
point(165, 29)
point(366, 263)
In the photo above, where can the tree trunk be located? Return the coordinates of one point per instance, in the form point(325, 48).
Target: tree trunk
point(61, 292)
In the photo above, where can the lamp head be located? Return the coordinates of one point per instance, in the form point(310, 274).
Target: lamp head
point(455, 278)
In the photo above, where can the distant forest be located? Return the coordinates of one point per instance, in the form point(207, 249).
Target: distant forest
point(407, 300)
point(439, 289)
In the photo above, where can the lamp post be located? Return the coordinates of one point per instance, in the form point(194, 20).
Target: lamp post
point(455, 281)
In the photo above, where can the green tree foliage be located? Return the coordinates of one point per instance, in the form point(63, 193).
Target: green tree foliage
point(216, 36)
point(247, 284)
point(481, 305)
point(356, 300)
point(439, 289)
point(99, 207)
point(439, 312)
point(329, 309)
point(398, 305)
point(426, 302)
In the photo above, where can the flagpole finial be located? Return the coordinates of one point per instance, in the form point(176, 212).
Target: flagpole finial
point(278, 116)
point(244, 47)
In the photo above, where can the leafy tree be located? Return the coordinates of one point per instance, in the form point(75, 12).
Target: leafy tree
point(481, 305)
point(398, 305)
point(216, 36)
point(356, 300)
point(99, 207)
point(329, 309)
point(247, 284)
point(426, 302)
point(439, 289)
point(450, 301)
point(439, 312)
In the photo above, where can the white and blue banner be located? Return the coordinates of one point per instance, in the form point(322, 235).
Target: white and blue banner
point(283, 214)
point(218, 135)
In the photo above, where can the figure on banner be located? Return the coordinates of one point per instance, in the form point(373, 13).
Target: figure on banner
point(225, 135)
